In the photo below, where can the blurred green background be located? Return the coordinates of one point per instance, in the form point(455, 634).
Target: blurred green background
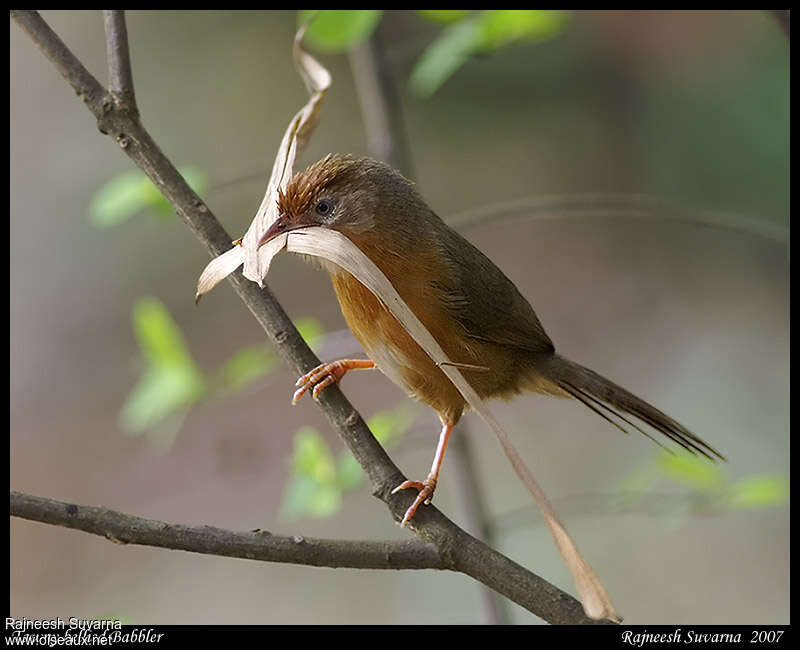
point(126, 395)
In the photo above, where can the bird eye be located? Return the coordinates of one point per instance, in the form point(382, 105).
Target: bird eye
point(324, 207)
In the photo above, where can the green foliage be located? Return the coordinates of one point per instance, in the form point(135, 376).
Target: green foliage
point(709, 487)
point(333, 30)
point(253, 362)
point(245, 366)
point(762, 491)
point(312, 488)
point(451, 49)
point(132, 192)
point(482, 32)
point(465, 33)
point(319, 480)
point(171, 381)
point(311, 331)
point(693, 471)
point(443, 16)
point(501, 27)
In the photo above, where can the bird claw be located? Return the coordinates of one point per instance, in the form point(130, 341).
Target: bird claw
point(319, 379)
point(326, 374)
point(425, 494)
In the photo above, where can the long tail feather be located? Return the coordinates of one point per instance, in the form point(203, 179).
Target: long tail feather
point(594, 391)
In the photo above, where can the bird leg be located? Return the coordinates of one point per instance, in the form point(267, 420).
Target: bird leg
point(326, 374)
point(427, 487)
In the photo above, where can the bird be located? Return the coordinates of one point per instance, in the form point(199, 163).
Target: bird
point(476, 314)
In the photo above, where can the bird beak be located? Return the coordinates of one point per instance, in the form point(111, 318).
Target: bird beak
point(277, 227)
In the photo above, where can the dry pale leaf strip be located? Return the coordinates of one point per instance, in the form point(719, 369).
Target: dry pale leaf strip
point(317, 80)
point(256, 262)
point(334, 246)
point(218, 269)
point(272, 248)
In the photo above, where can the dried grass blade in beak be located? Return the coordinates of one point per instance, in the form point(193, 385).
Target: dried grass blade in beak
point(218, 269)
point(317, 80)
point(337, 248)
point(256, 262)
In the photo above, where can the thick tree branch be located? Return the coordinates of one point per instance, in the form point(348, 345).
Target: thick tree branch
point(261, 545)
point(458, 550)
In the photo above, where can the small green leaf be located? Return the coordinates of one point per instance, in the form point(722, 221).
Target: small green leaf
point(500, 27)
point(337, 30)
point(313, 489)
point(325, 501)
point(163, 434)
point(349, 474)
point(119, 199)
point(247, 365)
point(759, 492)
point(157, 333)
point(312, 456)
point(695, 471)
point(443, 16)
point(162, 391)
point(389, 426)
point(305, 496)
point(195, 177)
point(482, 32)
point(637, 485)
point(311, 330)
point(132, 192)
point(171, 382)
point(451, 49)
point(298, 494)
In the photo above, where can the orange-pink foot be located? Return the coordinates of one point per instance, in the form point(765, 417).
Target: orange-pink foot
point(425, 489)
point(326, 374)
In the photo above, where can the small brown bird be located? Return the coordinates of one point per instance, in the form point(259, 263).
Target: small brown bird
point(476, 314)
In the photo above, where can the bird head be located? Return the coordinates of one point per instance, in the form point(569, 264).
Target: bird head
point(355, 196)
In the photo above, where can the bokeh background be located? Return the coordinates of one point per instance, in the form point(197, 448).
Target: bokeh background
point(691, 107)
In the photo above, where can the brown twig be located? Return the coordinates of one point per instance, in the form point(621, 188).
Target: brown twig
point(120, 77)
point(261, 545)
point(458, 550)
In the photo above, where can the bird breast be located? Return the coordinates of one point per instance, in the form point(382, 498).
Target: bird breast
point(392, 349)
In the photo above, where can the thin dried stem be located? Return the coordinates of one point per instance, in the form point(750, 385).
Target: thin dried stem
point(594, 205)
